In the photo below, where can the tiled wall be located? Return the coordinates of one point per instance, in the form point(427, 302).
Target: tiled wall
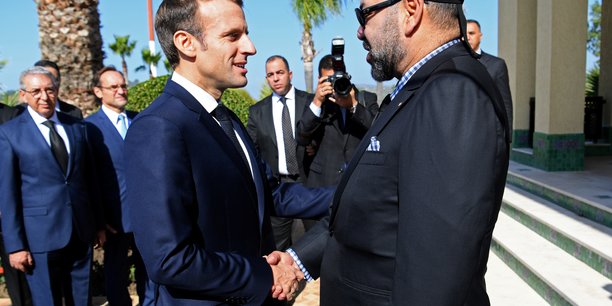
point(563, 152)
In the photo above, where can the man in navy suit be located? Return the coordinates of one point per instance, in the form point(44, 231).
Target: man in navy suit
point(47, 194)
point(16, 283)
point(107, 129)
point(198, 200)
point(496, 67)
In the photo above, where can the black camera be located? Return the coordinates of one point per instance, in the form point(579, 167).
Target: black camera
point(341, 81)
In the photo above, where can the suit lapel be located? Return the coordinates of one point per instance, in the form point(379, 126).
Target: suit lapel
point(402, 98)
point(268, 120)
point(35, 133)
point(215, 130)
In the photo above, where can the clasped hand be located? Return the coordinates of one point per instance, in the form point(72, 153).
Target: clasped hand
point(286, 273)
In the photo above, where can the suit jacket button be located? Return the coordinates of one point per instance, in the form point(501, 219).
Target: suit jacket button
point(331, 232)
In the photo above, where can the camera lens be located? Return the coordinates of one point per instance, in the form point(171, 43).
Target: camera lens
point(342, 86)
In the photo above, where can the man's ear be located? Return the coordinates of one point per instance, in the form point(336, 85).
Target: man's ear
point(411, 12)
point(185, 43)
point(98, 92)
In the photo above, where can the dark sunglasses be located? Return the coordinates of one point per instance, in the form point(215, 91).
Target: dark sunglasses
point(362, 14)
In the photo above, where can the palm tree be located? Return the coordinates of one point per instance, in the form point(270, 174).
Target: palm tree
point(70, 36)
point(149, 59)
point(123, 47)
point(312, 13)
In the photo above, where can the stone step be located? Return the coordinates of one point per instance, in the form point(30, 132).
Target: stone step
point(555, 275)
point(588, 241)
point(581, 206)
point(505, 288)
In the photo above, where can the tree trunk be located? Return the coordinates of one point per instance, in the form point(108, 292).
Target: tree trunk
point(69, 33)
point(125, 70)
point(308, 54)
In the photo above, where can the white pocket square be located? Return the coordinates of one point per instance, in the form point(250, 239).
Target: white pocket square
point(374, 145)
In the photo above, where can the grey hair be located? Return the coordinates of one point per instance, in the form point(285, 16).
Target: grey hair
point(36, 70)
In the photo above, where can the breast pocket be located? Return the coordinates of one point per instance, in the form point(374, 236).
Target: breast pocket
point(372, 158)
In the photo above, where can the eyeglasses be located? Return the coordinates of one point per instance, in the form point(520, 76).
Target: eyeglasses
point(37, 93)
point(362, 14)
point(115, 88)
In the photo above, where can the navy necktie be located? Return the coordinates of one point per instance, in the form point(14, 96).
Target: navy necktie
point(58, 147)
point(222, 114)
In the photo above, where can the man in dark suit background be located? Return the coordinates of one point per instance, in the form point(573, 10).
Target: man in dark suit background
point(107, 129)
point(336, 124)
point(7, 113)
point(198, 199)
point(47, 196)
point(412, 218)
point(495, 66)
point(15, 280)
point(288, 160)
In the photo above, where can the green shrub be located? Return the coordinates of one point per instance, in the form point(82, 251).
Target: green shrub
point(141, 95)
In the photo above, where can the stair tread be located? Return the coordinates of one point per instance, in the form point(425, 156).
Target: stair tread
point(591, 234)
point(570, 277)
point(506, 288)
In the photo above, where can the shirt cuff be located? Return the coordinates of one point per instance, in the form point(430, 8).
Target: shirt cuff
point(315, 110)
point(298, 262)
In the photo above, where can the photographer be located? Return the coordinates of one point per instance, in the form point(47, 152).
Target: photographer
point(334, 123)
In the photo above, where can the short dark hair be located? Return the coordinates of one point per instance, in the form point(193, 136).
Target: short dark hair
point(444, 14)
point(49, 64)
point(474, 21)
point(98, 75)
point(326, 62)
point(280, 57)
point(178, 15)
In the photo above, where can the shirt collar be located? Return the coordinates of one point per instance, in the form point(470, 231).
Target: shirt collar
point(111, 114)
point(38, 119)
point(408, 75)
point(205, 99)
point(290, 95)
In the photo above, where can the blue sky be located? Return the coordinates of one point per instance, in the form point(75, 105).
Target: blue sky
point(273, 27)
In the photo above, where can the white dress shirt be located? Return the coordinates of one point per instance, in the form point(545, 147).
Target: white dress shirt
point(114, 118)
point(39, 120)
point(277, 116)
point(209, 103)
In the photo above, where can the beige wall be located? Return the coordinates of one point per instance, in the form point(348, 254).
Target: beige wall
point(517, 45)
point(560, 66)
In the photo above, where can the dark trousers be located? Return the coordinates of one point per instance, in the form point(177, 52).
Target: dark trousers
point(15, 280)
point(117, 269)
point(62, 274)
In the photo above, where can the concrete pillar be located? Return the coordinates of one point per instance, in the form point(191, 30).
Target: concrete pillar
point(605, 77)
point(517, 46)
point(560, 78)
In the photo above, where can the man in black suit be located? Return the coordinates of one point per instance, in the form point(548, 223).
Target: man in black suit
point(495, 66)
point(266, 129)
point(413, 215)
point(61, 106)
point(16, 283)
point(335, 124)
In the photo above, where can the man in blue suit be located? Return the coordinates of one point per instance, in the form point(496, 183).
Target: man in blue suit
point(49, 219)
point(107, 129)
point(198, 200)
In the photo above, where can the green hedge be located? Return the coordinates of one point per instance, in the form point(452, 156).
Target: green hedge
point(142, 94)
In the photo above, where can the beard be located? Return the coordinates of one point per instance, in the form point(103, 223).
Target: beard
point(385, 53)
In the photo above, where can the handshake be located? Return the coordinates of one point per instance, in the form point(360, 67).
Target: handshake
point(287, 275)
